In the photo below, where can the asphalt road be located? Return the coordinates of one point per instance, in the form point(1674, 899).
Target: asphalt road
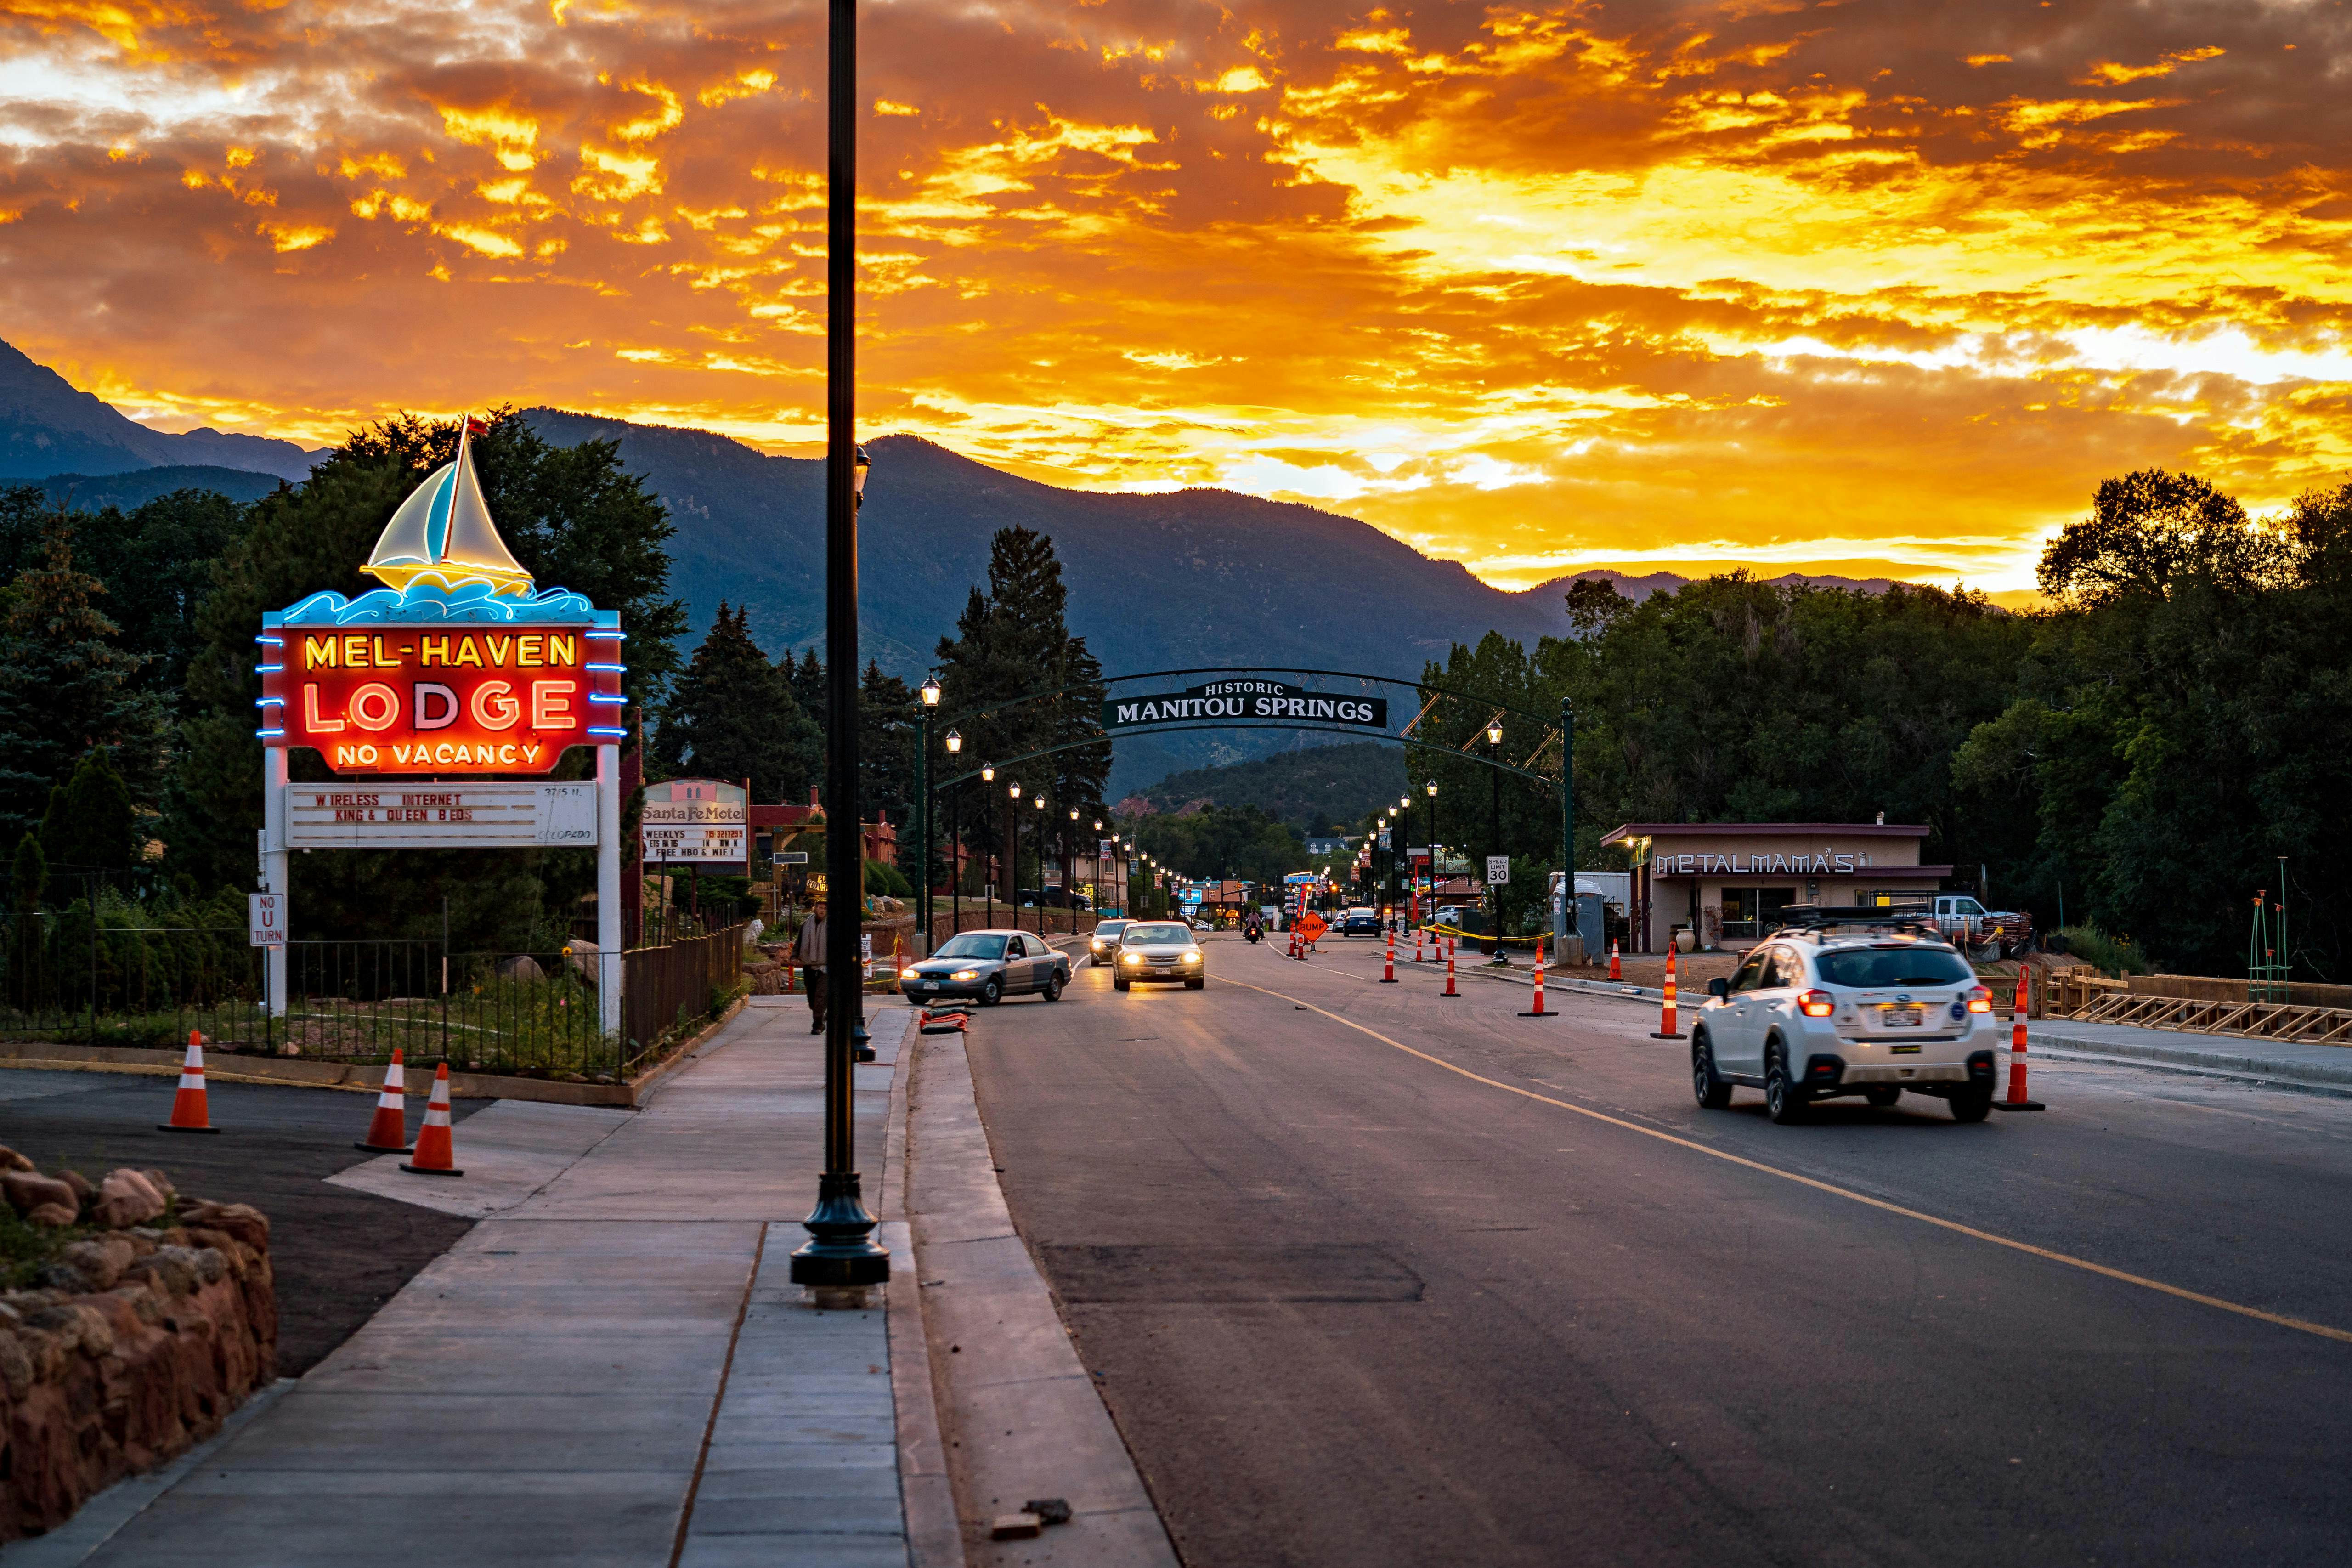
point(336, 1255)
point(1351, 1306)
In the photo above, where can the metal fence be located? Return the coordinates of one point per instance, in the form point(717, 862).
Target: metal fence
point(527, 1013)
point(665, 987)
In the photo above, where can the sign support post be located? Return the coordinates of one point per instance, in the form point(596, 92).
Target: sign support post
point(609, 961)
point(274, 868)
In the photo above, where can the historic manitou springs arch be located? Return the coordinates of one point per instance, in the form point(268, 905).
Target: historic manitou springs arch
point(441, 702)
point(1340, 701)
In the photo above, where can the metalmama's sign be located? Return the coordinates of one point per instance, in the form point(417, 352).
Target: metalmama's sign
point(1245, 699)
point(459, 666)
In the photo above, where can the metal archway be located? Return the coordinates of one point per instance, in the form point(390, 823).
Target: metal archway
point(1565, 732)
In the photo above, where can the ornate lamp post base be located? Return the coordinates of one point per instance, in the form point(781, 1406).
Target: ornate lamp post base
point(840, 1253)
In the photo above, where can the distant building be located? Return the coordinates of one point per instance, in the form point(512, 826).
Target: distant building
point(1335, 845)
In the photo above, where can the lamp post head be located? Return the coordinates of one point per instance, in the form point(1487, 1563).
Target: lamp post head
point(1404, 802)
point(857, 473)
point(1039, 802)
point(1494, 734)
point(987, 773)
point(930, 690)
point(1432, 789)
point(1074, 814)
point(955, 743)
point(1016, 790)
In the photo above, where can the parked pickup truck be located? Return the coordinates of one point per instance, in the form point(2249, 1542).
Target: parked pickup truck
point(1966, 923)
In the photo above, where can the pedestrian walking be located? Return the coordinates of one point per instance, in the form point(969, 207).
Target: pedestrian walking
point(809, 950)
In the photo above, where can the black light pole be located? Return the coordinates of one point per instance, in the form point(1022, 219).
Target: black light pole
point(955, 843)
point(930, 695)
point(1012, 852)
point(987, 882)
point(1040, 804)
point(1432, 841)
point(841, 1254)
point(1494, 840)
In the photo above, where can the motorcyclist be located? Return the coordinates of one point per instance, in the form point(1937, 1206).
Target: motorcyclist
point(1250, 930)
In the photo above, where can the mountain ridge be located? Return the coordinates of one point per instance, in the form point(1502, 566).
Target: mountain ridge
point(48, 426)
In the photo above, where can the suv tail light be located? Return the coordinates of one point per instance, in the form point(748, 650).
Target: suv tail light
point(1816, 1003)
point(1980, 1000)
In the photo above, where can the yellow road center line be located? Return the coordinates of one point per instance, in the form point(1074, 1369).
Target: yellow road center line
point(2300, 1325)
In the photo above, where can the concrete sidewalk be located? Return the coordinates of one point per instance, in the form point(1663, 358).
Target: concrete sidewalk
point(610, 1369)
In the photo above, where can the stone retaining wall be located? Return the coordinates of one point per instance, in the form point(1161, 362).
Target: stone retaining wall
point(136, 1342)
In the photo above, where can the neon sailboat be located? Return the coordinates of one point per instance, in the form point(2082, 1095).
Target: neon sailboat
point(443, 537)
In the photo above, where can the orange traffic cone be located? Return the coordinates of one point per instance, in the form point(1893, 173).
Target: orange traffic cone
point(1416, 944)
point(435, 1156)
point(388, 1133)
point(191, 1112)
point(1667, 1030)
point(1388, 970)
point(1449, 990)
point(2017, 1100)
point(1538, 1010)
point(1614, 973)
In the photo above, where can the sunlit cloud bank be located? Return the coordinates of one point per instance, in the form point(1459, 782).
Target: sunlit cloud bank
point(1530, 287)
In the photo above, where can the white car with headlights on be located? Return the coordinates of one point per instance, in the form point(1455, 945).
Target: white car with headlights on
point(1158, 953)
point(1103, 948)
point(1847, 1001)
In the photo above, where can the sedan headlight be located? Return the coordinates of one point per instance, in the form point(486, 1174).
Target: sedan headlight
point(965, 974)
point(1130, 958)
point(1099, 945)
point(910, 974)
point(1193, 955)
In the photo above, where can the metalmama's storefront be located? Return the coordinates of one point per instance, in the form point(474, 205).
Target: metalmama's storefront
point(1725, 881)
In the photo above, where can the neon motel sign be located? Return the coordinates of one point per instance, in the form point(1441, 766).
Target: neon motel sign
point(458, 666)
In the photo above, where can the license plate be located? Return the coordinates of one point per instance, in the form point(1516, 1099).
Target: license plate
point(1902, 1050)
point(927, 985)
point(1901, 1018)
point(1163, 971)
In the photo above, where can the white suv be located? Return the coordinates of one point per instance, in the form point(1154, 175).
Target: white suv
point(1817, 1013)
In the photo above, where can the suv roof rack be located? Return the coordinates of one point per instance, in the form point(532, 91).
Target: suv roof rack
point(1912, 914)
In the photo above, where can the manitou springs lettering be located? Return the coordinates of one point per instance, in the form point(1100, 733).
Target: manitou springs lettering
point(417, 699)
point(1248, 700)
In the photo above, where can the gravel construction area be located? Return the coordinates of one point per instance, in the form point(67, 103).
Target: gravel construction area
point(338, 1255)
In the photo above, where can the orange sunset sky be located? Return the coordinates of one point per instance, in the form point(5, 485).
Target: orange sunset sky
point(1869, 287)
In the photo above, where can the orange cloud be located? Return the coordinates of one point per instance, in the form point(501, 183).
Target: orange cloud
point(1529, 285)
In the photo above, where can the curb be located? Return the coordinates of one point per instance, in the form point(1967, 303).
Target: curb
point(1015, 1369)
point(926, 1492)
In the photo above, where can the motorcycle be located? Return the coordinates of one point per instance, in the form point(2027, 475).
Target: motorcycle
point(1253, 934)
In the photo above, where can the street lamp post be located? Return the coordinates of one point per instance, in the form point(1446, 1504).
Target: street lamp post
point(955, 846)
point(1040, 804)
point(1433, 847)
point(988, 883)
point(1012, 852)
point(930, 695)
point(1494, 840)
point(841, 1259)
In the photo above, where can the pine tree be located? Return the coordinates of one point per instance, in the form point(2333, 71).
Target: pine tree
point(1011, 641)
point(28, 875)
point(807, 679)
point(65, 684)
point(91, 824)
point(733, 716)
point(888, 728)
